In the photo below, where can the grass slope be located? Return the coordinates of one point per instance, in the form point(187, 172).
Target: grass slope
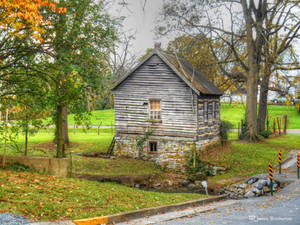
point(245, 159)
point(118, 166)
point(41, 197)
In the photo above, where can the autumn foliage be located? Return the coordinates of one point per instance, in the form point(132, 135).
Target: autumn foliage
point(16, 15)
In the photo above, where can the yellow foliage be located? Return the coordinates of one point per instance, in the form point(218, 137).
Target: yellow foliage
point(19, 14)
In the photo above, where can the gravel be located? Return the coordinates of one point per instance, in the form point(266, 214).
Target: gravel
point(11, 219)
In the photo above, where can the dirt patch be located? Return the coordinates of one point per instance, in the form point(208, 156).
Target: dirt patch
point(101, 155)
point(52, 145)
point(216, 150)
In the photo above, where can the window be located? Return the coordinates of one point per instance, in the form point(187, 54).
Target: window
point(153, 146)
point(205, 112)
point(154, 109)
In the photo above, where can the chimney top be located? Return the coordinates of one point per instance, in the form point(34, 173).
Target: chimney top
point(157, 45)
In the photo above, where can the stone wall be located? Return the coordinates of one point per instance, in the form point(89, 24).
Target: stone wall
point(208, 128)
point(173, 153)
point(53, 166)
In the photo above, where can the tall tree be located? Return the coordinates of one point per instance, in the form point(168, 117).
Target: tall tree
point(75, 47)
point(281, 29)
point(242, 34)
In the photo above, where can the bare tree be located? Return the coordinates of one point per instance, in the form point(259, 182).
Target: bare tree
point(281, 29)
point(121, 58)
point(241, 26)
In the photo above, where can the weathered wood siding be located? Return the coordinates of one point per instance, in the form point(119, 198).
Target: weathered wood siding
point(154, 79)
point(208, 129)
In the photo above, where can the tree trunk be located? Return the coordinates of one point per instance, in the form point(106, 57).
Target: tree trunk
point(263, 98)
point(251, 108)
point(59, 132)
point(255, 42)
point(66, 139)
point(26, 137)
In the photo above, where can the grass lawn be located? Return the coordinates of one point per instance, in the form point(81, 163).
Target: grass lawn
point(84, 141)
point(235, 112)
point(105, 117)
point(41, 197)
point(244, 159)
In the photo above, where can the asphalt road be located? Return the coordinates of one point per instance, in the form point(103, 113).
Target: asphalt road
point(283, 208)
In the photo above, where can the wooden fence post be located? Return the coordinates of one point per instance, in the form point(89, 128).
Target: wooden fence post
point(285, 123)
point(98, 129)
point(279, 125)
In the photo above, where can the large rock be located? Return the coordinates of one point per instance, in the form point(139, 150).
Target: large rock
point(252, 180)
point(250, 194)
point(254, 186)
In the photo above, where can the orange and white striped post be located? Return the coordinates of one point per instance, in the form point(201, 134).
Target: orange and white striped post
point(279, 161)
point(298, 164)
point(271, 177)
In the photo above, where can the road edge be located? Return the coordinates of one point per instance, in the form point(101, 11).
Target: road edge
point(121, 217)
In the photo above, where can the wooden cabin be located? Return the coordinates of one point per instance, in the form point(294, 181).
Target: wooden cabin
point(163, 107)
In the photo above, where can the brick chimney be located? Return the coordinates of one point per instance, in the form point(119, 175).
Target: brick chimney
point(157, 45)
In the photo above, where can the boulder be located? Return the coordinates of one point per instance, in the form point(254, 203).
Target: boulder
point(250, 194)
point(252, 180)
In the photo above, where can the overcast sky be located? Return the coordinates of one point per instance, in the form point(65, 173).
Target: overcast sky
point(139, 20)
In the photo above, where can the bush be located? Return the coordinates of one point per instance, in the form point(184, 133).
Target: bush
point(224, 128)
point(265, 133)
point(197, 169)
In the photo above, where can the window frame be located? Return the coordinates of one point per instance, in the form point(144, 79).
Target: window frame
point(150, 116)
point(156, 146)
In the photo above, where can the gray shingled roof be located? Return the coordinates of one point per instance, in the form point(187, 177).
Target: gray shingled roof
point(190, 75)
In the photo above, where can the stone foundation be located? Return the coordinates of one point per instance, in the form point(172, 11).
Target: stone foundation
point(173, 153)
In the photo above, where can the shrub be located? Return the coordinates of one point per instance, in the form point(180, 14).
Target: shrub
point(224, 128)
point(197, 169)
point(265, 133)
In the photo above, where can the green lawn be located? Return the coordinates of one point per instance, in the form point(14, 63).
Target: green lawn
point(245, 159)
point(235, 112)
point(41, 197)
point(104, 117)
point(83, 141)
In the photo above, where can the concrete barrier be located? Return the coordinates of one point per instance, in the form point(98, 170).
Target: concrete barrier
point(54, 166)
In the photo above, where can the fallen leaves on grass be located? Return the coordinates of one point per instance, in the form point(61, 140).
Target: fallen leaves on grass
point(42, 197)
